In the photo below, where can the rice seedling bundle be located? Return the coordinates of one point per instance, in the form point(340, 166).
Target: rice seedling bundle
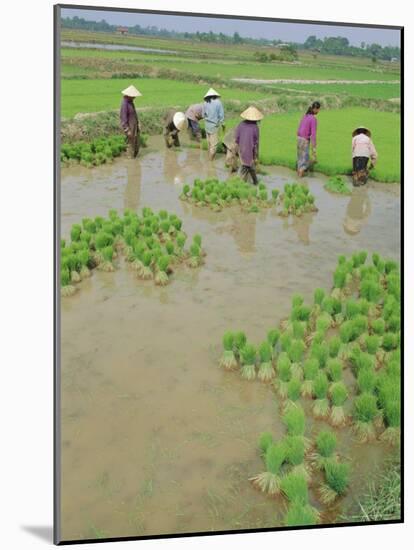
point(265, 440)
point(365, 411)
point(294, 389)
point(318, 296)
point(195, 259)
point(334, 369)
point(337, 184)
point(392, 417)
point(266, 371)
point(337, 481)
point(310, 372)
point(389, 341)
point(248, 362)
point(273, 338)
point(334, 345)
point(300, 514)
point(161, 277)
point(320, 351)
point(269, 481)
point(325, 445)
point(284, 372)
point(66, 288)
point(294, 420)
point(228, 359)
point(320, 393)
point(295, 488)
point(366, 380)
point(94, 153)
point(296, 351)
point(296, 200)
point(338, 394)
point(239, 341)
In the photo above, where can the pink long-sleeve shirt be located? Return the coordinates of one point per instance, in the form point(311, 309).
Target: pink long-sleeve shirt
point(362, 146)
point(307, 128)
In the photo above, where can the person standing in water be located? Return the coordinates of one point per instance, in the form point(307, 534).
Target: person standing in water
point(213, 114)
point(174, 121)
point(306, 138)
point(247, 139)
point(363, 152)
point(194, 114)
point(129, 120)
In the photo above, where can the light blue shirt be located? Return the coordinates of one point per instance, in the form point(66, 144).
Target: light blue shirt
point(213, 114)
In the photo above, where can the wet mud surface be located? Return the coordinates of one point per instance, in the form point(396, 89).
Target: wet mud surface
point(155, 437)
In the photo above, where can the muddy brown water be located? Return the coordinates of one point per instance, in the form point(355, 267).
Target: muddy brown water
point(155, 437)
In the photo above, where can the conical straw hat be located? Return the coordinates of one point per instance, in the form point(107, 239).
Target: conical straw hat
point(252, 114)
point(131, 91)
point(211, 92)
point(179, 120)
point(361, 128)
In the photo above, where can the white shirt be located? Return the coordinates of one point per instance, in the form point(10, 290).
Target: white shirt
point(362, 146)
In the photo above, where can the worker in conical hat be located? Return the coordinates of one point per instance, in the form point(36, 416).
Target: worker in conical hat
point(247, 139)
point(174, 121)
point(213, 114)
point(364, 155)
point(129, 120)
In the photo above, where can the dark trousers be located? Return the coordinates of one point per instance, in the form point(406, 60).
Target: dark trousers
point(133, 145)
point(360, 170)
point(194, 130)
point(246, 171)
point(360, 163)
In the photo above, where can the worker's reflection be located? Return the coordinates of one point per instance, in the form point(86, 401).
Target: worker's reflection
point(132, 194)
point(357, 211)
point(301, 224)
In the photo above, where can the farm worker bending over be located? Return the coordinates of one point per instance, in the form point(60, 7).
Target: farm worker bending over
point(232, 150)
point(194, 114)
point(247, 139)
point(129, 120)
point(306, 138)
point(213, 114)
point(174, 121)
point(363, 151)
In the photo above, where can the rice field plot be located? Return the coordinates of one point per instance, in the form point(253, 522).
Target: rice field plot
point(342, 354)
point(278, 141)
point(370, 91)
point(91, 96)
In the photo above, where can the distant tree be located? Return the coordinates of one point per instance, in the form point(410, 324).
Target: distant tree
point(237, 38)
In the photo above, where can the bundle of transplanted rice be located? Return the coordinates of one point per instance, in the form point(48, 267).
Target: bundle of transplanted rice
point(248, 362)
point(295, 455)
point(337, 184)
point(269, 481)
point(228, 360)
point(284, 375)
point(389, 399)
point(265, 440)
point(334, 345)
point(300, 514)
point(364, 414)
point(161, 276)
point(334, 368)
point(266, 370)
point(84, 258)
point(295, 488)
point(273, 338)
point(319, 350)
point(93, 153)
point(296, 351)
point(294, 420)
point(325, 446)
point(338, 394)
point(216, 195)
point(310, 372)
point(195, 259)
point(320, 394)
point(107, 259)
point(296, 200)
point(336, 481)
point(66, 288)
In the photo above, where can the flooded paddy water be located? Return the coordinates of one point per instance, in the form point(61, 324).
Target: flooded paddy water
point(156, 438)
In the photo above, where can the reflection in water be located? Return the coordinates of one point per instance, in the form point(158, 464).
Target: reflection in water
point(172, 169)
point(133, 186)
point(243, 230)
point(301, 225)
point(357, 211)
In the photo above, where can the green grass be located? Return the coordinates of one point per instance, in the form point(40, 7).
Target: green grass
point(368, 91)
point(278, 140)
point(91, 96)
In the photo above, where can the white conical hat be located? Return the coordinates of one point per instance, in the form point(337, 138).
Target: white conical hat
point(211, 92)
point(368, 131)
point(179, 120)
point(131, 91)
point(252, 114)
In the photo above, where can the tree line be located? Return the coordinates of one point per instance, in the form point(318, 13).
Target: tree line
point(329, 45)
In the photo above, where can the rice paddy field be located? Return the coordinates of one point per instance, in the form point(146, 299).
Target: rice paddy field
point(230, 355)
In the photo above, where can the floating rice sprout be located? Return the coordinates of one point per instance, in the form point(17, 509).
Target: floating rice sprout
point(270, 480)
point(284, 371)
point(248, 362)
point(334, 369)
point(310, 372)
point(299, 514)
point(320, 392)
point(228, 360)
point(365, 411)
point(195, 256)
point(338, 394)
point(325, 446)
point(337, 481)
point(161, 277)
point(275, 194)
point(266, 370)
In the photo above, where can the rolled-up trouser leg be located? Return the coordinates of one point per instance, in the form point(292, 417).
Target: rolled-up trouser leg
point(231, 159)
point(212, 142)
point(133, 145)
point(246, 171)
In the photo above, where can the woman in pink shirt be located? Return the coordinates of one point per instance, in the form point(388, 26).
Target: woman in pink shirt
point(306, 138)
point(363, 152)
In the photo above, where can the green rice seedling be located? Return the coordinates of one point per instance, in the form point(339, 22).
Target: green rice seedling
point(297, 300)
point(394, 323)
point(169, 247)
point(146, 272)
point(372, 343)
point(392, 417)
point(299, 514)
point(295, 488)
point(285, 341)
point(310, 372)
point(138, 250)
point(248, 362)
point(228, 360)
point(390, 265)
point(275, 195)
point(75, 232)
point(195, 256)
point(84, 260)
point(300, 313)
point(325, 446)
point(378, 326)
point(294, 420)
point(320, 351)
point(337, 481)
point(294, 390)
point(352, 308)
point(66, 288)
point(389, 341)
point(273, 338)
point(334, 369)
point(296, 351)
point(295, 455)
point(185, 192)
point(107, 255)
point(284, 371)
point(347, 332)
point(338, 395)
point(318, 296)
point(298, 329)
point(323, 322)
point(265, 441)
point(266, 371)
point(103, 240)
point(320, 393)
point(254, 209)
point(337, 184)
point(366, 380)
point(340, 278)
point(161, 277)
point(239, 342)
point(365, 411)
point(269, 481)
point(371, 290)
point(334, 345)
point(85, 237)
